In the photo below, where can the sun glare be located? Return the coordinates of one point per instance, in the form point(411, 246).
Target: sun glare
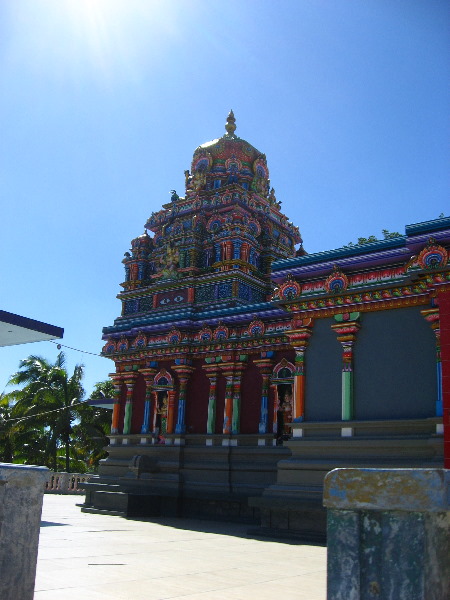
point(109, 37)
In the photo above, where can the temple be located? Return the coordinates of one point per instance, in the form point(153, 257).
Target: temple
point(246, 369)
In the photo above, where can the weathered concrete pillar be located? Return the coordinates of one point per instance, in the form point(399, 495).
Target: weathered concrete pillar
point(388, 534)
point(21, 493)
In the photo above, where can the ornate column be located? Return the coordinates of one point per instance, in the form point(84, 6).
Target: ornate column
point(237, 249)
point(236, 415)
point(265, 366)
point(183, 372)
point(299, 339)
point(228, 250)
point(118, 381)
point(227, 370)
point(431, 315)
point(170, 411)
point(129, 382)
point(275, 408)
point(154, 396)
point(211, 373)
point(347, 327)
point(148, 374)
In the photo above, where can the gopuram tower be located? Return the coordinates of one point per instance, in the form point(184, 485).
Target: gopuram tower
point(200, 358)
point(197, 293)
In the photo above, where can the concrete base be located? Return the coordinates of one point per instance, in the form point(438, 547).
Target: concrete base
point(294, 502)
point(388, 534)
point(192, 479)
point(21, 494)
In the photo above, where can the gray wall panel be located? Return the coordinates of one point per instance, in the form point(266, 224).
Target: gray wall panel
point(395, 366)
point(323, 374)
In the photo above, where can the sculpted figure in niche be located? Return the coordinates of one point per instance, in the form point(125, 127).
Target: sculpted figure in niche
point(284, 412)
point(134, 270)
point(162, 410)
point(170, 262)
point(199, 180)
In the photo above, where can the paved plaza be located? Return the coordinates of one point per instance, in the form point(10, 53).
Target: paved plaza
point(99, 557)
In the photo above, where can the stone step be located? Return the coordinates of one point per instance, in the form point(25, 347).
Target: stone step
point(102, 511)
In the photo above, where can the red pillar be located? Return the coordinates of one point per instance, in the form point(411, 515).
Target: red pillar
point(444, 317)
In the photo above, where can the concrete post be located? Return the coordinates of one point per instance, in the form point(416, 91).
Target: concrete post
point(388, 534)
point(21, 493)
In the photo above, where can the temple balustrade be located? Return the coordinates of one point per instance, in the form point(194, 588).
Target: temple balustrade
point(65, 483)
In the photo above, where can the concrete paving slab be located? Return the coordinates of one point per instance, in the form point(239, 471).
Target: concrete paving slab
point(99, 556)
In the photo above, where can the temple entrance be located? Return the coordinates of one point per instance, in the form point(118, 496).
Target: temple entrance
point(283, 384)
point(284, 411)
point(163, 394)
point(162, 409)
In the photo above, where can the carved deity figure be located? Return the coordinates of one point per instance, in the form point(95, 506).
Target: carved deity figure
point(162, 411)
point(199, 180)
point(170, 262)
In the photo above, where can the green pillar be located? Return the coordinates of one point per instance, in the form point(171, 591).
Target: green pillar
point(347, 326)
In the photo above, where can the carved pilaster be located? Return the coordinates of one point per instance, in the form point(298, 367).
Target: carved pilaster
point(148, 374)
point(347, 327)
point(183, 372)
point(265, 366)
point(299, 339)
point(431, 315)
point(211, 373)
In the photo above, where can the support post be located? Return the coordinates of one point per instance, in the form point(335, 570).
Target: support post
point(149, 375)
point(183, 372)
point(347, 326)
point(170, 411)
point(275, 408)
point(265, 366)
point(21, 494)
point(227, 370)
point(129, 382)
point(431, 315)
point(236, 415)
point(299, 339)
point(211, 373)
point(118, 382)
point(388, 534)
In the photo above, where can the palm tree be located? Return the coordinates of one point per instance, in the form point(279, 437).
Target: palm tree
point(52, 398)
point(92, 431)
point(21, 441)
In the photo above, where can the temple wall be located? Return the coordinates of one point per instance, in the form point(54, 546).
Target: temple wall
point(251, 386)
point(323, 374)
point(197, 400)
point(138, 404)
point(395, 366)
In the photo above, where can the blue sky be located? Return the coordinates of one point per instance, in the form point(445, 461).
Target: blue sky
point(102, 103)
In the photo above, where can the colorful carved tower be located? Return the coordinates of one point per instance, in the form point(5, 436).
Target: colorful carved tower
point(215, 245)
point(187, 285)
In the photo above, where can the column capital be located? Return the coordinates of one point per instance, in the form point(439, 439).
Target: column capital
point(183, 371)
point(148, 373)
point(299, 337)
point(211, 370)
point(129, 378)
point(265, 365)
point(117, 378)
point(346, 330)
point(431, 316)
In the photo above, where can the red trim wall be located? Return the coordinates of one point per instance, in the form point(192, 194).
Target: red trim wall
point(444, 317)
point(137, 416)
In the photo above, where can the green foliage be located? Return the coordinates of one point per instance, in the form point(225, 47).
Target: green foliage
point(387, 235)
point(46, 421)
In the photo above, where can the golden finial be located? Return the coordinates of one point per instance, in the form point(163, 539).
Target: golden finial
point(230, 125)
